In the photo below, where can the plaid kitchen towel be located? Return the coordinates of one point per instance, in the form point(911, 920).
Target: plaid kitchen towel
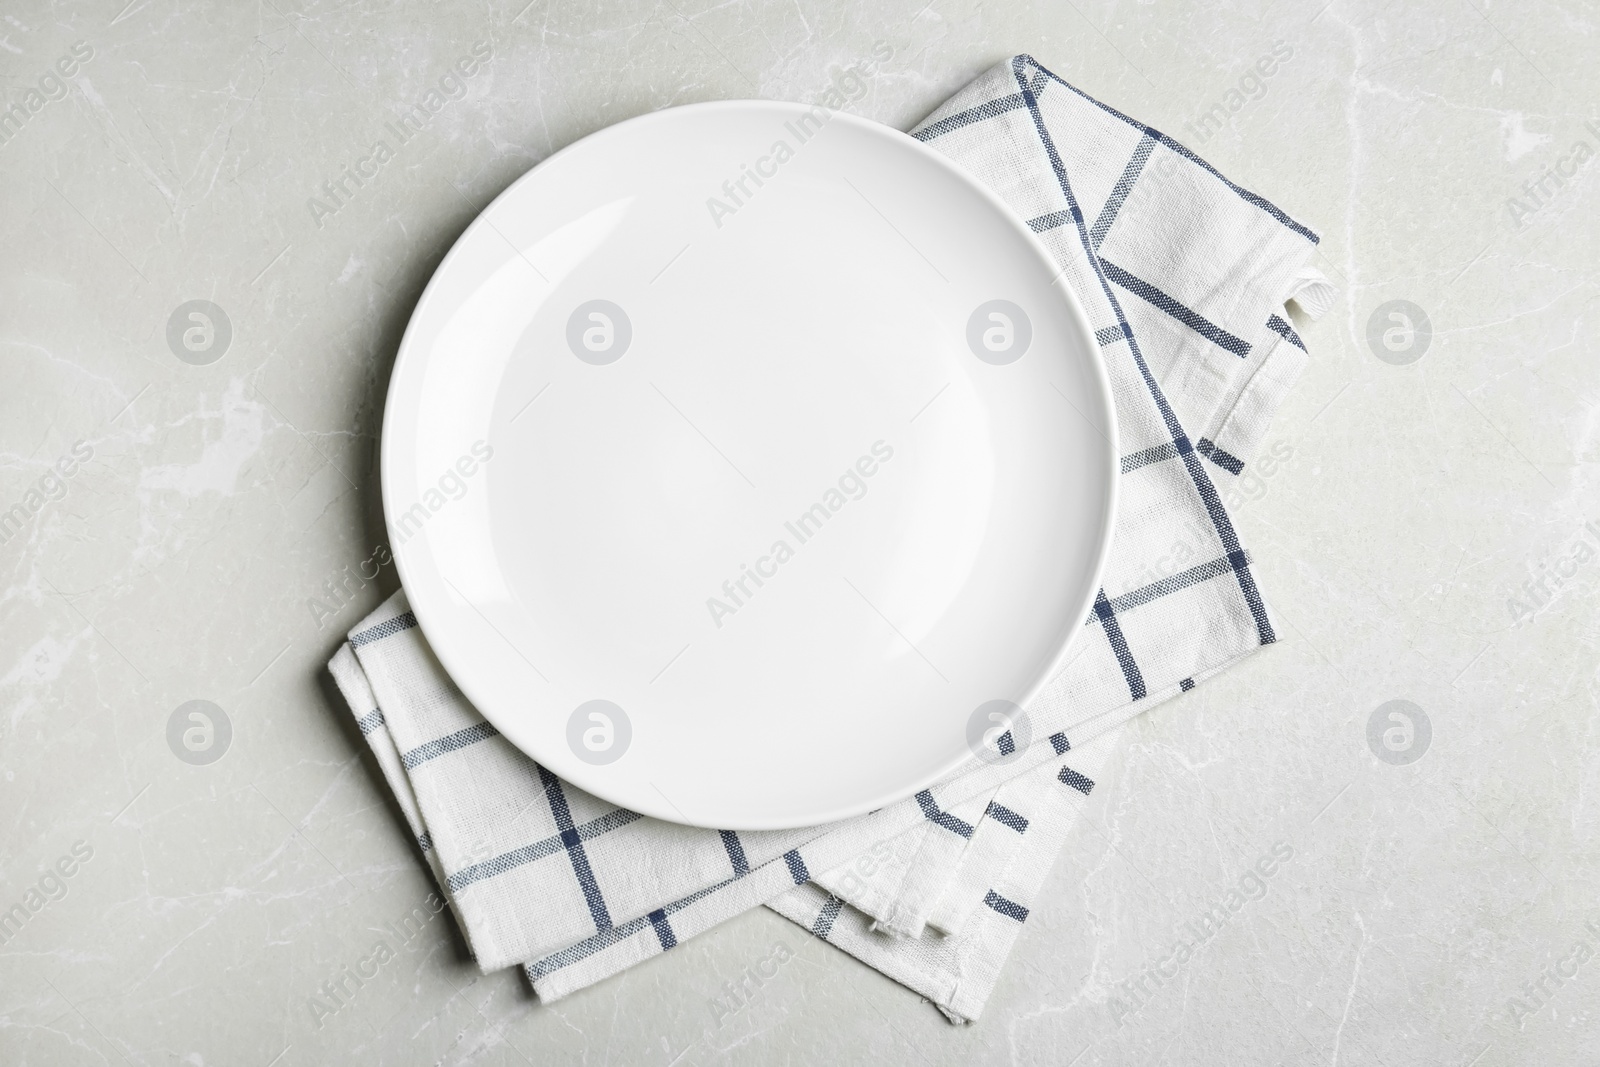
point(1185, 277)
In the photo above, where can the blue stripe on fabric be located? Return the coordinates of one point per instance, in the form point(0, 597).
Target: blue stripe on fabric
point(1230, 542)
point(538, 850)
point(606, 938)
point(735, 850)
point(370, 721)
point(1075, 780)
point(1228, 462)
point(611, 820)
point(1245, 194)
point(1120, 191)
point(1053, 220)
point(1145, 457)
point(957, 826)
point(471, 735)
point(1006, 817)
point(425, 841)
point(1189, 317)
point(1285, 331)
point(1186, 684)
point(1014, 102)
point(1202, 482)
point(1009, 908)
point(1108, 335)
point(1119, 645)
point(506, 861)
point(830, 911)
point(562, 814)
point(1006, 743)
point(1060, 743)
point(1236, 555)
point(664, 934)
point(387, 628)
point(797, 867)
point(1172, 583)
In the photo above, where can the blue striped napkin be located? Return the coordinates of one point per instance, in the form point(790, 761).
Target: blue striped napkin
point(1185, 277)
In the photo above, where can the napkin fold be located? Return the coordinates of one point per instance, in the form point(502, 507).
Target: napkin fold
point(1185, 278)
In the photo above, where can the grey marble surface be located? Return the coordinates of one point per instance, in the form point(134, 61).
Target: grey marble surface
point(1426, 540)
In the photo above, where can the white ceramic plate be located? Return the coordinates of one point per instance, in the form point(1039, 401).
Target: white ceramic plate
point(739, 455)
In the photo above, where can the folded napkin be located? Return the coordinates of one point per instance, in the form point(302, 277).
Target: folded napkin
point(1184, 277)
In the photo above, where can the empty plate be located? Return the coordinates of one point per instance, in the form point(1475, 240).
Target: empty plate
point(747, 465)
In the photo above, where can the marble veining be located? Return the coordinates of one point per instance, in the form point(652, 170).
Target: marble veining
point(216, 220)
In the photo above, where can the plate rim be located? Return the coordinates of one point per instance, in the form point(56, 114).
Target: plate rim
point(1080, 322)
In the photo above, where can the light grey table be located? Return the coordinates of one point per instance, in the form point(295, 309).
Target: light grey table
point(1427, 539)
